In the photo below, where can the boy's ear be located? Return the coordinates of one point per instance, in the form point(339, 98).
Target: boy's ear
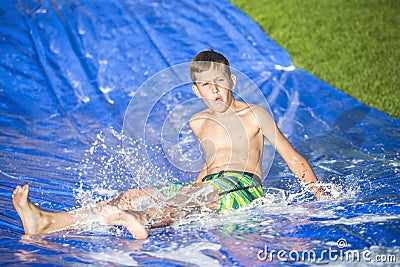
point(196, 90)
point(233, 81)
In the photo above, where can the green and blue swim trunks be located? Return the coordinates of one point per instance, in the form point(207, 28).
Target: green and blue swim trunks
point(235, 189)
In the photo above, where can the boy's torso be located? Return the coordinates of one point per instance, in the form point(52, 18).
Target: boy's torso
point(231, 141)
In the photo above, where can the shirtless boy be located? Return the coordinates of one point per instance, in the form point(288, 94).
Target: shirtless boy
point(231, 134)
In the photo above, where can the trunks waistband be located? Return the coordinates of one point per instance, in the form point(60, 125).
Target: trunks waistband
point(213, 176)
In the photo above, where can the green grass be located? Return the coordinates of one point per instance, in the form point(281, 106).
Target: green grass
point(354, 45)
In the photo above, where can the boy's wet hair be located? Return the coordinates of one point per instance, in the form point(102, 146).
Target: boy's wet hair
point(205, 59)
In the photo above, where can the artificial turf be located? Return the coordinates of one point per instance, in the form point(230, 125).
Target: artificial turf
point(354, 45)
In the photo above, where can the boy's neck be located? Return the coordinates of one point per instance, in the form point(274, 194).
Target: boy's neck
point(232, 109)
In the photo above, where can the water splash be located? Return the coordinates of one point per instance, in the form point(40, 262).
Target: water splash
point(114, 163)
point(110, 167)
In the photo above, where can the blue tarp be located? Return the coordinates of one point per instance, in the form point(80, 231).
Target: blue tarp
point(68, 72)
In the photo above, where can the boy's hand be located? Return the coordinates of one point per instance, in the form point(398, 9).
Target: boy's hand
point(318, 191)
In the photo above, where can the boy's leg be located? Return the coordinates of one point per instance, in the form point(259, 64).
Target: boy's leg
point(127, 199)
point(189, 199)
point(37, 221)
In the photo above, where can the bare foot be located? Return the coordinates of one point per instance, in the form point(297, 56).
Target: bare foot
point(131, 220)
point(31, 216)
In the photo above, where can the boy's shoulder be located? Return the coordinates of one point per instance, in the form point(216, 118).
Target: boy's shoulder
point(198, 117)
point(201, 114)
point(258, 109)
point(252, 108)
point(245, 105)
point(196, 122)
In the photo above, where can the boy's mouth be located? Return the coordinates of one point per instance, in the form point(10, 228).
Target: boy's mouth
point(218, 99)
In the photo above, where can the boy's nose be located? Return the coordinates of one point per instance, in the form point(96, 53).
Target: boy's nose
point(214, 88)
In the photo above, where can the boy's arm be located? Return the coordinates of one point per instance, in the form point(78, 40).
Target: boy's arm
point(202, 174)
point(296, 163)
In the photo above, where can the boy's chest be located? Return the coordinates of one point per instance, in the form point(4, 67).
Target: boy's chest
point(232, 130)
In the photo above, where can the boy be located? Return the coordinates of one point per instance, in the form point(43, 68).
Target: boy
point(231, 134)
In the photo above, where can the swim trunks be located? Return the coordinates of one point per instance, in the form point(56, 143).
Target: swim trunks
point(236, 189)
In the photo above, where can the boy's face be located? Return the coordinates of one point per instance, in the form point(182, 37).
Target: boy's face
point(214, 87)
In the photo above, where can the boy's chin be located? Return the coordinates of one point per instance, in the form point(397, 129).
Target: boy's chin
point(219, 108)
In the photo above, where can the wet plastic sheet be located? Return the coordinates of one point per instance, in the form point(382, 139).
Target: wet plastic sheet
point(68, 70)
